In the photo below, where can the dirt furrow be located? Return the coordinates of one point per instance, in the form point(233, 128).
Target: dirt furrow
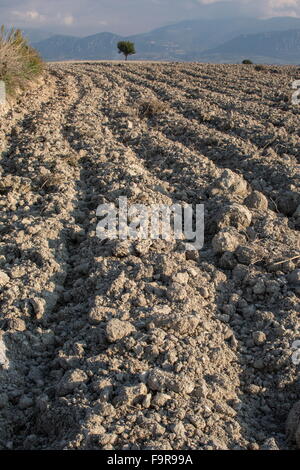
point(140, 344)
point(201, 90)
point(37, 187)
point(239, 155)
point(229, 122)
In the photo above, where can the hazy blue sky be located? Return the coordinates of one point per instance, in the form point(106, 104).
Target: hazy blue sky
point(130, 16)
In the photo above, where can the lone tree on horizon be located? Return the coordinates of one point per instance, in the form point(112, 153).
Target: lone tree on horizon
point(127, 48)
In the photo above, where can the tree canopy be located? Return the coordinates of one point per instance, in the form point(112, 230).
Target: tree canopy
point(127, 48)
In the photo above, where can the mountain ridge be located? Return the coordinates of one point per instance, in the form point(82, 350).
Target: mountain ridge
point(189, 40)
point(276, 44)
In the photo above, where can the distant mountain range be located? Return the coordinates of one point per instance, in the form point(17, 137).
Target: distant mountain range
point(100, 46)
point(278, 46)
point(276, 40)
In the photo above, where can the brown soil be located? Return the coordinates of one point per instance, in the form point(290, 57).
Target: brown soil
point(127, 345)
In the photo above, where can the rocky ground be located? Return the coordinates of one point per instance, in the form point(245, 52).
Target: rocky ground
point(144, 345)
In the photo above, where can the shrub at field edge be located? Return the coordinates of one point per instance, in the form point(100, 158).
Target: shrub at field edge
point(19, 62)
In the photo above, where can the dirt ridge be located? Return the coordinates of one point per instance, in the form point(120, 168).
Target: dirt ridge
point(142, 345)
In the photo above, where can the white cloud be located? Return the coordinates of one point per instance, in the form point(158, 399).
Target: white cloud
point(132, 16)
point(69, 20)
point(270, 7)
point(31, 15)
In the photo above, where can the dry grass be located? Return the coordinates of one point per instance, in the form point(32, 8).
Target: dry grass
point(51, 182)
point(151, 107)
point(19, 63)
point(260, 68)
